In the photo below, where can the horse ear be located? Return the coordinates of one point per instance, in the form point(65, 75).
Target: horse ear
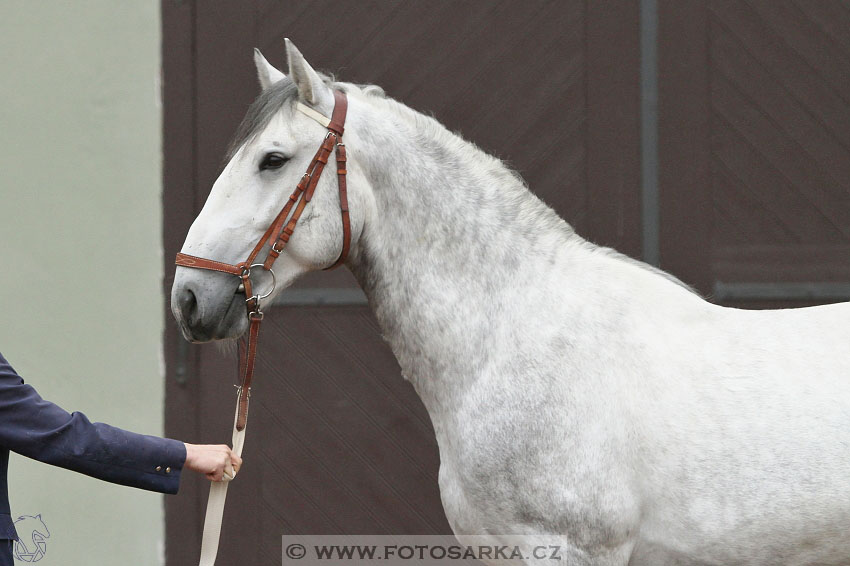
point(311, 88)
point(267, 74)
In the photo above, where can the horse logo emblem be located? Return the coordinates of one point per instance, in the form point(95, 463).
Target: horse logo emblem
point(33, 535)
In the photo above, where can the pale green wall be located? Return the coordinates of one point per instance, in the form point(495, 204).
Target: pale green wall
point(80, 245)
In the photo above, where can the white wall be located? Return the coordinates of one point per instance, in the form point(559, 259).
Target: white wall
point(80, 245)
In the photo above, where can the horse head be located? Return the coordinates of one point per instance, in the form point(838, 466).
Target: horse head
point(268, 157)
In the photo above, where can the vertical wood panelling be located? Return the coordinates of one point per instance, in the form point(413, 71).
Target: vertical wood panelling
point(613, 126)
point(684, 133)
point(755, 154)
point(182, 513)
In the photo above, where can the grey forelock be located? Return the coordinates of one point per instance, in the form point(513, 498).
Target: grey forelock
point(272, 99)
point(261, 112)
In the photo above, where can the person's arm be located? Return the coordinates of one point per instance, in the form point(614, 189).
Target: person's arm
point(36, 428)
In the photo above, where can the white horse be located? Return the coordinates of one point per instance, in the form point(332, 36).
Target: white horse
point(575, 393)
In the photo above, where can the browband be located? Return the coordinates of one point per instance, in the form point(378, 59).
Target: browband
point(314, 114)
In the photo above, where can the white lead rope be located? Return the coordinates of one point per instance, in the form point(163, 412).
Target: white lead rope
point(218, 494)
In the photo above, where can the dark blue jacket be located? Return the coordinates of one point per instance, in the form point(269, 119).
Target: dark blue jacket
point(36, 428)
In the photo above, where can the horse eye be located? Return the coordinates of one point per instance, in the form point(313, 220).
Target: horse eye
point(272, 161)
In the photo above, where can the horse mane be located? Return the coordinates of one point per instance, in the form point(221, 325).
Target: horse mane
point(271, 100)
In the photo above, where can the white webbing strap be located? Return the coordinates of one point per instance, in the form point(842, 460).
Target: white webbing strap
point(218, 494)
point(317, 116)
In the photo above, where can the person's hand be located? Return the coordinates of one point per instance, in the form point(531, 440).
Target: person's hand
point(211, 459)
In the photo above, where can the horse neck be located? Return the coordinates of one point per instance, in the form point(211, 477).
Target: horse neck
point(454, 239)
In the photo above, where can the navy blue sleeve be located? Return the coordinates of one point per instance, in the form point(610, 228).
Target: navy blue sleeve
point(36, 428)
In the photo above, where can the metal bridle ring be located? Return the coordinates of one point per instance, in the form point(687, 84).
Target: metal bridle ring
point(274, 281)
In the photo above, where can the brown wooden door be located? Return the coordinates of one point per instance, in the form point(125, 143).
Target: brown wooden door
point(338, 442)
point(755, 148)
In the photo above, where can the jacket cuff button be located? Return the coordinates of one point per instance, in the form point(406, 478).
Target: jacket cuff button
point(168, 470)
point(158, 468)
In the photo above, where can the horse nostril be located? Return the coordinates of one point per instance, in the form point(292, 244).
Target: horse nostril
point(187, 303)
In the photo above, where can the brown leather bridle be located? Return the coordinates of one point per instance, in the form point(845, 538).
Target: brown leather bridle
point(280, 234)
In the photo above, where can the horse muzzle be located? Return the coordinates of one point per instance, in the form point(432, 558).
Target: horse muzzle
point(207, 306)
